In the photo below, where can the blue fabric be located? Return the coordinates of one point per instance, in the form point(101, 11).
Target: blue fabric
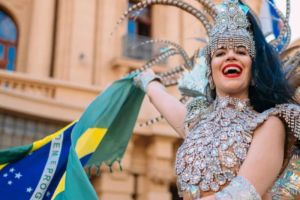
point(19, 179)
point(275, 18)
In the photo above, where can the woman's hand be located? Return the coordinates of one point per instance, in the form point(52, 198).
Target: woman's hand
point(145, 78)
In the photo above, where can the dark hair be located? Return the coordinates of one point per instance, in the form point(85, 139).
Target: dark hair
point(269, 85)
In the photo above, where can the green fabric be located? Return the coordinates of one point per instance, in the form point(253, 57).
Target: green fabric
point(115, 141)
point(115, 109)
point(77, 185)
point(104, 109)
point(14, 153)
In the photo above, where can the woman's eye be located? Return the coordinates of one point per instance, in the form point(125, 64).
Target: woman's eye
point(220, 53)
point(242, 52)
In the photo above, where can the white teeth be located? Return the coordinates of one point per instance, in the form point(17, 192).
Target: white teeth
point(233, 68)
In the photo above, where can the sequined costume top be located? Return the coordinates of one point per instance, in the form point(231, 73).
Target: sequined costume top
point(218, 139)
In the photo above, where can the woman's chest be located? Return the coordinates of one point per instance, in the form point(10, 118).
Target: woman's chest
point(214, 149)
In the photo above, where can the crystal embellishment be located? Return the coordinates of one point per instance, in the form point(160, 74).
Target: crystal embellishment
point(218, 140)
point(231, 30)
point(215, 145)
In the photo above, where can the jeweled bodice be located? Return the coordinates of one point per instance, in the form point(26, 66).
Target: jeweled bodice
point(216, 145)
point(218, 138)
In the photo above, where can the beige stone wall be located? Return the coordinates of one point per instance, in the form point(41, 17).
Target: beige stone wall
point(67, 54)
point(84, 46)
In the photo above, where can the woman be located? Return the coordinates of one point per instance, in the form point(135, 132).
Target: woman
point(238, 144)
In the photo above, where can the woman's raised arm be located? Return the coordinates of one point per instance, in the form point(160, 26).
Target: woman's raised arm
point(169, 107)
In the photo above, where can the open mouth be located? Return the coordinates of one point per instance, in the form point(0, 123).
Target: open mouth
point(232, 71)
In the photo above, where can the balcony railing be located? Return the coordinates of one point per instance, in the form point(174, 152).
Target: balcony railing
point(28, 87)
point(48, 98)
point(133, 49)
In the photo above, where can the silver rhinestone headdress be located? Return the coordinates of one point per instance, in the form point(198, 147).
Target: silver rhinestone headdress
point(231, 29)
point(233, 33)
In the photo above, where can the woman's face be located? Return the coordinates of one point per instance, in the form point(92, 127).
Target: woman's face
point(231, 72)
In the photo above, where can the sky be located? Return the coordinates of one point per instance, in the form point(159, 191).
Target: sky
point(294, 18)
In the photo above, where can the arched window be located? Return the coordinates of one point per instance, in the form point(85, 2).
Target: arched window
point(8, 42)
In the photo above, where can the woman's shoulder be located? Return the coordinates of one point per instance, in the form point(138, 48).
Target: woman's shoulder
point(273, 121)
point(272, 124)
point(287, 113)
point(282, 115)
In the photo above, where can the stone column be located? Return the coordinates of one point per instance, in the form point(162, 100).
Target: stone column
point(159, 168)
point(191, 29)
point(83, 41)
point(119, 184)
point(114, 186)
point(63, 40)
point(168, 28)
point(75, 41)
point(41, 38)
point(109, 37)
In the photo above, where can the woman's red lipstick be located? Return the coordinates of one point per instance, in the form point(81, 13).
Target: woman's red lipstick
point(232, 70)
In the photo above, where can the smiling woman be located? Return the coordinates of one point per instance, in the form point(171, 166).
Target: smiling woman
point(247, 112)
point(231, 72)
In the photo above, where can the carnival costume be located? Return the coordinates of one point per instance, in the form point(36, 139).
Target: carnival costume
point(208, 162)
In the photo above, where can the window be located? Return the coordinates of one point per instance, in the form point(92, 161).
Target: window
point(11, 58)
point(138, 31)
point(1, 51)
point(141, 25)
point(8, 42)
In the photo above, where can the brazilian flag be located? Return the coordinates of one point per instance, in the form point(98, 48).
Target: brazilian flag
point(52, 168)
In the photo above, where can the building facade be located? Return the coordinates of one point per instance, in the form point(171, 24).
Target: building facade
point(57, 55)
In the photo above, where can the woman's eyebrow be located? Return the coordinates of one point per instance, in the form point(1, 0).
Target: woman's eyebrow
point(221, 48)
point(241, 47)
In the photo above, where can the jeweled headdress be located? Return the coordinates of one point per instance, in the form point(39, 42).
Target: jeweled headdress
point(216, 18)
point(226, 25)
point(231, 29)
point(212, 18)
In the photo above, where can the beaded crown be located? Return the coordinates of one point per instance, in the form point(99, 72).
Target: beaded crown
point(231, 29)
point(226, 25)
